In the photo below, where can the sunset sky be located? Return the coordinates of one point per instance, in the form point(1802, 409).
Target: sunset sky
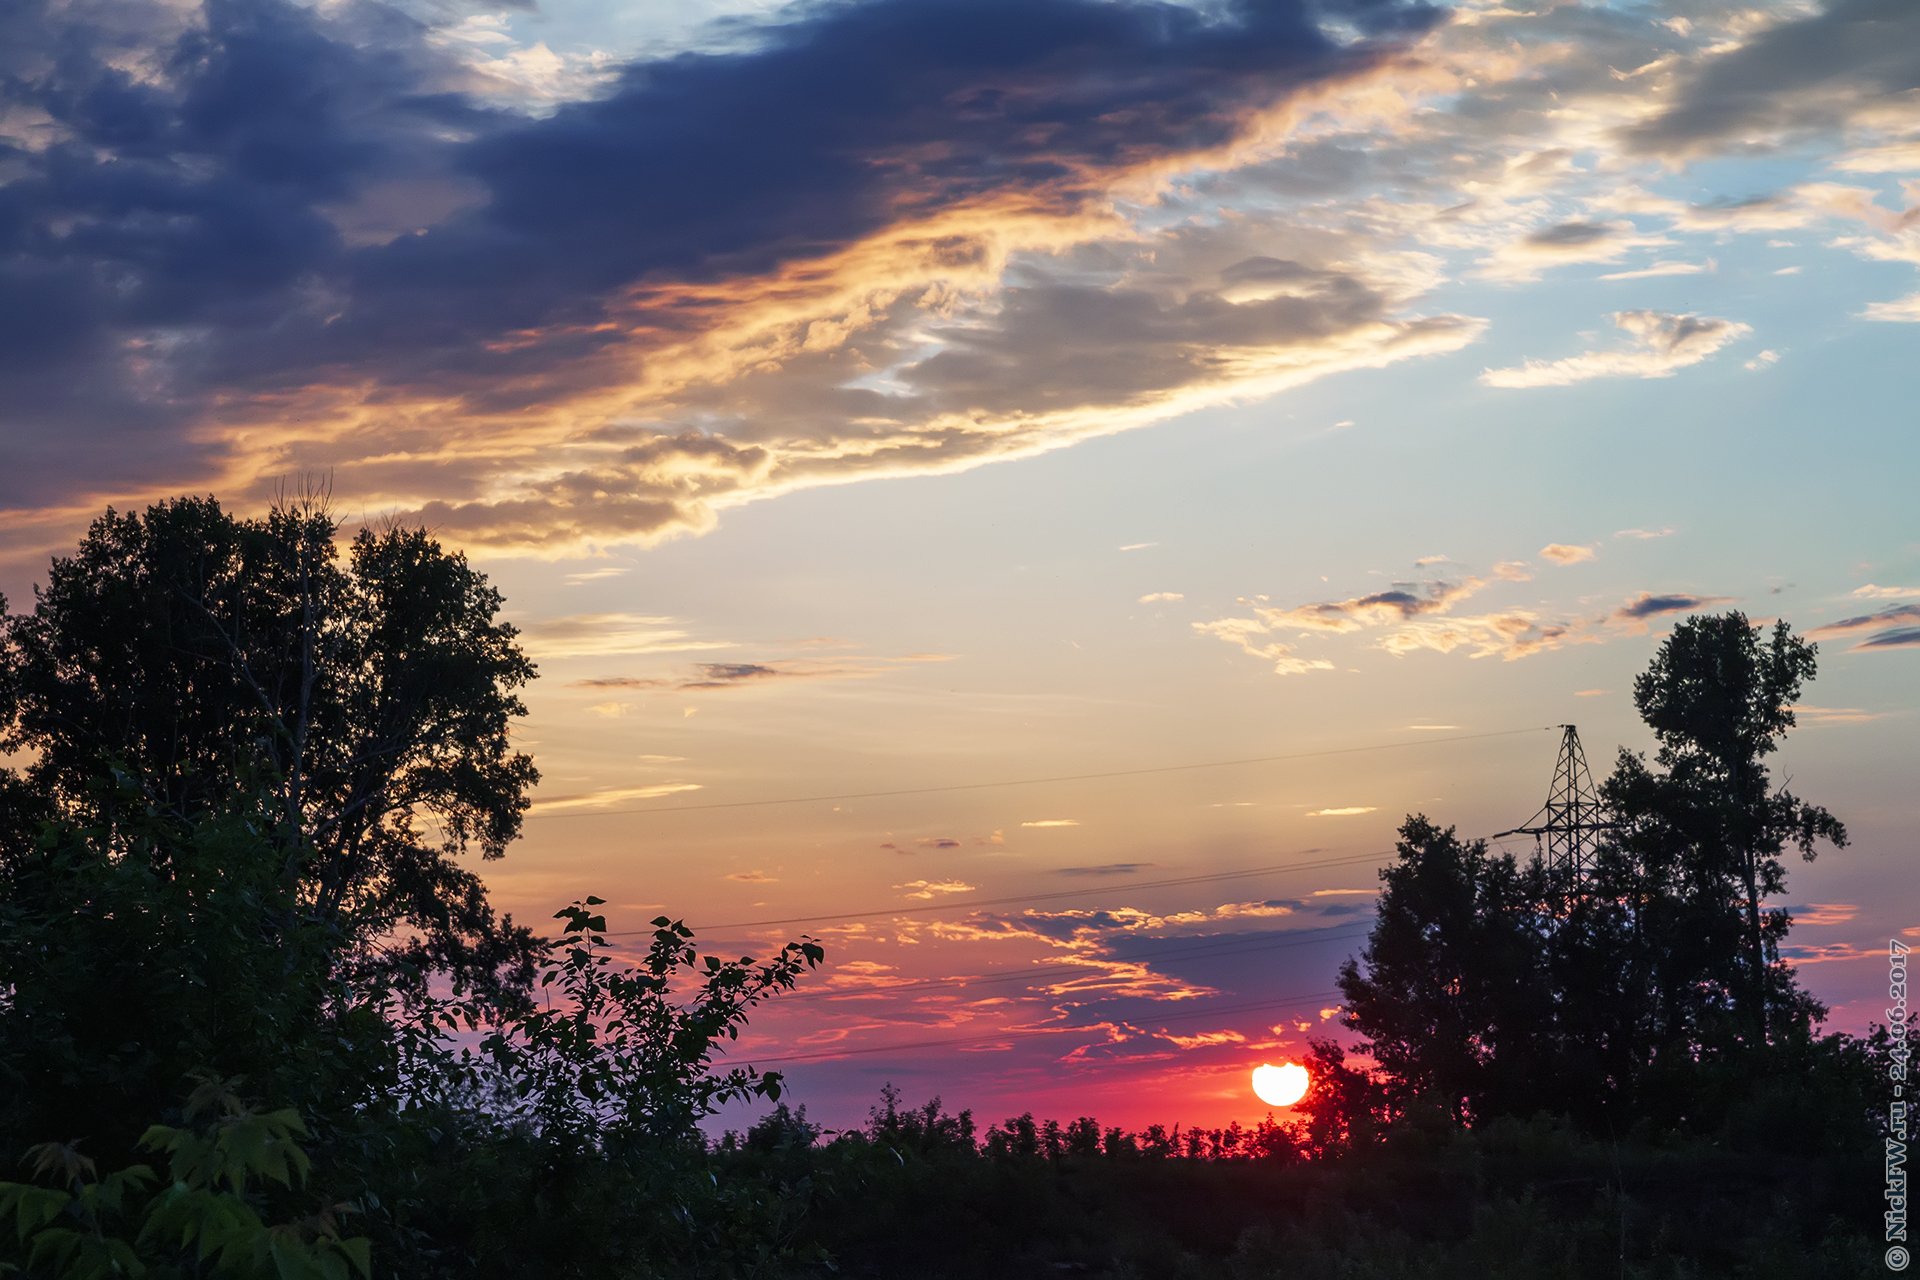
point(908, 395)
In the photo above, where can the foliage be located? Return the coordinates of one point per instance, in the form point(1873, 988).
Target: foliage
point(185, 664)
point(1422, 1198)
point(251, 768)
point(1651, 991)
point(1452, 998)
point(624, 1055)
point(210, 1216)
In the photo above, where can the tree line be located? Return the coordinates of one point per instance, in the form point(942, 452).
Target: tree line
point(258, 1016)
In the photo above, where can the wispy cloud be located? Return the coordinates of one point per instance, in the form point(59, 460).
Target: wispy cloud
point(1343, 811)
point(1657, 270)
point(1649, 605)
point(1875, 621)
point(1564, 553)
point(591, 635)
point(925, 889)
point(611, 796)
point(738, 675)
point(1661, 344)
point(1898, 638)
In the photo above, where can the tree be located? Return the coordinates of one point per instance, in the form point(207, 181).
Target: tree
point(1719, 699)
point(186, 663)
point(1651, 986)
point(1451, 999)
point(250, 771)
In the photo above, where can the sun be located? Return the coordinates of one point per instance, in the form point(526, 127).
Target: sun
point(1280, 1086)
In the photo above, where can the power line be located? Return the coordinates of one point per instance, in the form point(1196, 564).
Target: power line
point(1260, 942)
point(1019, 899)
point(1030, 782)
point(908, 1045)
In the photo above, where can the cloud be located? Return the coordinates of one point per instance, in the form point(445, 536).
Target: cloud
point(752, 877)
point(1403, 601)
point(1409, 617)
point(1565, 244)
point(707, 676)
point(926, 889)
point(1648, 605)
point(1661, 345)
point(610, 796)
point(1898, 638)
point(1104, 869)
point(1846, 63)
point(1158, 597)
point(1872, 592)
point(585, 635)
point(1645, 535)
point(1657, 270)
point(1812, 715)
point(1564, 553)
point(1899, 311)
point(1869, 621)
point(1344, 812)
point(1052, 822)
point(1766, 359)
point(542, 305)
point(1825, 913)
point(937, 842)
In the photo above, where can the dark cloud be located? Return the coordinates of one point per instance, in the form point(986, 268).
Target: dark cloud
point(1568, 235)
point(1869, 621)
point(1796, 78)
point(184, 225)
point(154, 220)
point(1647, 605)
point(1897, 638)
point(1104, 869)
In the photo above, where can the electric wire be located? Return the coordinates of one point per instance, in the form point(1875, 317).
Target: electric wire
point(1027, 898)
point(537, 816)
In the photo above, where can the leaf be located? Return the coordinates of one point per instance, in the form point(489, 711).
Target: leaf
point(359, 1251)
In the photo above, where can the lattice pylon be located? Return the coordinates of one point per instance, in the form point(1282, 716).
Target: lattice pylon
point(1568, 826)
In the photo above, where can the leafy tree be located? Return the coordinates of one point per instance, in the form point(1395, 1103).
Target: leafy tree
point(1451, 997)
point(184, 663)
point(250, 770)
point(1651, 987)
point(625, 1056)
point(1709, 829)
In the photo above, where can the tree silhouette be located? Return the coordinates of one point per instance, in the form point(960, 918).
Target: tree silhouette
point(1491, 988)
point(185, 663)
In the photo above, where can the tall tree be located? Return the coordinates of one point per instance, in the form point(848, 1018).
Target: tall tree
point(251, 766)
point(1710, 827)
point(184, 663)
point(1451, 998)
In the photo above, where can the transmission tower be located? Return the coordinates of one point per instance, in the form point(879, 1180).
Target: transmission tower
point(1567, 828)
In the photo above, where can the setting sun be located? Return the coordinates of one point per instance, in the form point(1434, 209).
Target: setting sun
point(1280, 1086)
